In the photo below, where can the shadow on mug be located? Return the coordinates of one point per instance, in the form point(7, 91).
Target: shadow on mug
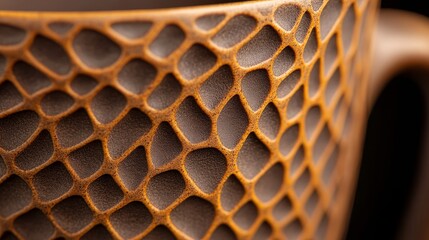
point(391, 159)
point(390, 191)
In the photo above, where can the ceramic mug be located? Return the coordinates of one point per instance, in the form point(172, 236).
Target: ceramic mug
point(234, 121)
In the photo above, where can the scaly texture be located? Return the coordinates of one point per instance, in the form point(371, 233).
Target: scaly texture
point(227, 122)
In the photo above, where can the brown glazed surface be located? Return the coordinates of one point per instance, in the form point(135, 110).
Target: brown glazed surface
point(238, 121)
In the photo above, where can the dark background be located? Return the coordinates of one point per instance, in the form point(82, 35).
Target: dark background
point(391, 158)
point(417, 6)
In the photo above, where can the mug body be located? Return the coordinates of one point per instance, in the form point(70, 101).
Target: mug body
point(237, 121)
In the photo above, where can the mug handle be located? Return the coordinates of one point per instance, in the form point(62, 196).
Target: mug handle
point(401, 43)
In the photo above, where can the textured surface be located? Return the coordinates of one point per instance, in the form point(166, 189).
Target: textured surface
point(230, 122)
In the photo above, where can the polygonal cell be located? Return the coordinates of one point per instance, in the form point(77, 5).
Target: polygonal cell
point(132, 29)
point(348, 28)
point(311, 46)
point(34, 225)
point(252, 157)
point(234, 31)
point(256, 86)
point(330, 166)
point(297, 160)
point(365, 24)
point(37, 153)
point(293, 229)
point(10, 97)
point(287, 15)
point(321, 143)
point(246, 215)
point(165, 188)
point(347, 124)
point(316, 4)
point(284, 61)
point(265, 43)
point(107, 105)
point(133, 168)
point(60, 28)
point(312, 119)
point(168, 40)
point(264, 232)
point(192, 121)
point(223, 232)
point(134, 125)
point(160, 232)
point(137, 75)
point(289, 139)
point(340, 107)
point(361, 3)
point(72, 214)
point(304, 25)
point(83, 84)
point(51, 55)
point(96, 233)
point(334, 196)
point(352, 76)
point(209, 22)
point(314, 79)
point(31, 79)
point(217, 86)
point(302, 182)
point(14, 196)
point(3, 168)
point(196, 61)
point(15, 129)
point(165, 93)
point(269, 122)
point(331, 53)
point(332, 86)
point(270, 183)
point(52, 182)
point(165, 145)
point(206, 167)
point(105, 193)
point(295, 103)
point(231, 194)
point(282, 208)
point(321, 229)
point(232, 123)
point(56, 102)
point(10, 35)
point(329, 16)
point(74, 128)
point(193, 217)
point(288, 84)
point(3, 62)
point(8, 236)
point(96, 50)
point(311, 203)
point(131, 220)
point(86, 160)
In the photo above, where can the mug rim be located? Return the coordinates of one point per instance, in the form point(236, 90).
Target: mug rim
point(152, 12)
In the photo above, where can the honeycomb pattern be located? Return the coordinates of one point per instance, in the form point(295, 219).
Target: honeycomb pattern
point(229, 122)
